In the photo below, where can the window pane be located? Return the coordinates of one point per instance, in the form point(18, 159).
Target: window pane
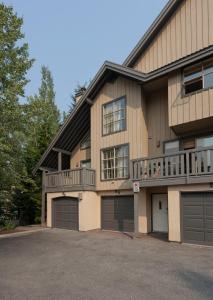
point(205, 141)
point(208, 70)
point(208, 80)
point(115, 162)
point(114, 116)
point(192, 75)
point(172, 147)
point(193, 86)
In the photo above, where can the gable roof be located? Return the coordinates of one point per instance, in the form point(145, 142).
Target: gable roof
point(152, 31)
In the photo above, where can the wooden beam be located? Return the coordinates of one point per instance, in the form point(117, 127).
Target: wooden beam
point(59, 161)
point(62, 151)
point(43, 199)
point(89, 101)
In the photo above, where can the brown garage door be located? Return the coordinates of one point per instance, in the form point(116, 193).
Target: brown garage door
point(197, 213)
point(117, 213)
point(65, 213)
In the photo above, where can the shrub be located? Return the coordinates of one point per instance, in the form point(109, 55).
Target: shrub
point(9, 225)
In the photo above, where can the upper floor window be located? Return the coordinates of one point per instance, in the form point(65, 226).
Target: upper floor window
point(198, 78)
point(206, 141)
point(115, 162)
point(114, 116)
point(85, 143)
point(171, 147)
point(86, 163)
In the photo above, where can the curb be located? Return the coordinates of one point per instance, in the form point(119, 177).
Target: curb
point(21, 233)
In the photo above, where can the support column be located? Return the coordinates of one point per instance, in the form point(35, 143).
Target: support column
point(142, 212)
point(59, 161)
point(136, 216)
point(43, 197)
point(174, 214)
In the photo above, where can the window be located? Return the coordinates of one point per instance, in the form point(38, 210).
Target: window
point(85, 143)
point(86, 164)
point(198, 78)
point(171, 147)
point(114, 116)
point(206, 141)
point(115, 162)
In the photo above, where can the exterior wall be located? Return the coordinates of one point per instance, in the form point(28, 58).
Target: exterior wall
point(189, 29)
point(174, 207)
point(185, 109)
point(135, 133)
point(89, 209)
point(144, 211)
point(157, 121)
point(78, 155)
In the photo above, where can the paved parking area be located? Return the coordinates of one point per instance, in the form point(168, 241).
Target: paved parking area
point(61, 264)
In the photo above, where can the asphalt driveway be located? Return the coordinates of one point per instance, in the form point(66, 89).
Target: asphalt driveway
point(60, 264)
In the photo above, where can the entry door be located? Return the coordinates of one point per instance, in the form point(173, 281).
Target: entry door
point(160, 213)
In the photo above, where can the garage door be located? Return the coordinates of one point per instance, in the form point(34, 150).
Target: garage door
point(65, 213)
point(197, 211)
point(117, 213)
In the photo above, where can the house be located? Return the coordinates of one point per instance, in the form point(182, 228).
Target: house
point(149, 122)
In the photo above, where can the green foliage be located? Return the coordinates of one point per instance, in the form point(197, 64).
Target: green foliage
point(25, 130)
point(9, 225)
point(14, 64)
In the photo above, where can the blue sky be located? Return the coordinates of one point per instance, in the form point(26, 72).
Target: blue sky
point(74, 37)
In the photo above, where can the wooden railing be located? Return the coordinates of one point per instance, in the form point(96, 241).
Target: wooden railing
point(73, 179)
point(184, 164)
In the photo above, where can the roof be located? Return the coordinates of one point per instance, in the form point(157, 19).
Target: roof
point(79, 119)
point(153, 30)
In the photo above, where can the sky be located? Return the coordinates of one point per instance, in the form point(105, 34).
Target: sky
point(74, 37)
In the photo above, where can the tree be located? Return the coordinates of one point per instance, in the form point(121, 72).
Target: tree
point(14, 64)
point(42, 120)
point(43, 117)
point(78, 92)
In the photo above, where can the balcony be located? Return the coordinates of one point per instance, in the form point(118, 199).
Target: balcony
point(80, 179)
point(184, 167)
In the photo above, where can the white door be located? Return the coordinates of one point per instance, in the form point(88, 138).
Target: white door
point(160, 213)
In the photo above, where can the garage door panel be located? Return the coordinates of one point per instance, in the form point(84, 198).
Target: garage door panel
point(209, 237)
point(193, 223)
point(118, 213)
point(209, 224)
point(193, 210)
point(65, 213)
point(197, 217)
point(191, 235)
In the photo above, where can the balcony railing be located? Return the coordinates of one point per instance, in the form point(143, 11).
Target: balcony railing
point(68, 180)
point(192, 166)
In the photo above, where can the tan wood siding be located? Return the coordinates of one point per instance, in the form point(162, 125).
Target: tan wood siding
point(189, 30)
point(188, 108)
point(78, 155)
point(157, 121)
point(135, 134)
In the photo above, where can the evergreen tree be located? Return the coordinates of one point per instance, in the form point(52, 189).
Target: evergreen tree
point(14, 64)
point(42, 119)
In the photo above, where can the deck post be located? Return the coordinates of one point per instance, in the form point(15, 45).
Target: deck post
point(136, 207)
point(59, 161)
point(43, 198)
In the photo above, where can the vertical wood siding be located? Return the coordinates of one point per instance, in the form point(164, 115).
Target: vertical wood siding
point(190, 108)
point(157, 121)
point(135, 135)
point(78, 155)
point(189, 30)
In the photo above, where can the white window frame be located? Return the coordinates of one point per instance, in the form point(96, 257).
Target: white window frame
point(113, 114)
point(115, 168)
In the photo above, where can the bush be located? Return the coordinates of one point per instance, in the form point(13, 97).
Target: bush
point(9, 225)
